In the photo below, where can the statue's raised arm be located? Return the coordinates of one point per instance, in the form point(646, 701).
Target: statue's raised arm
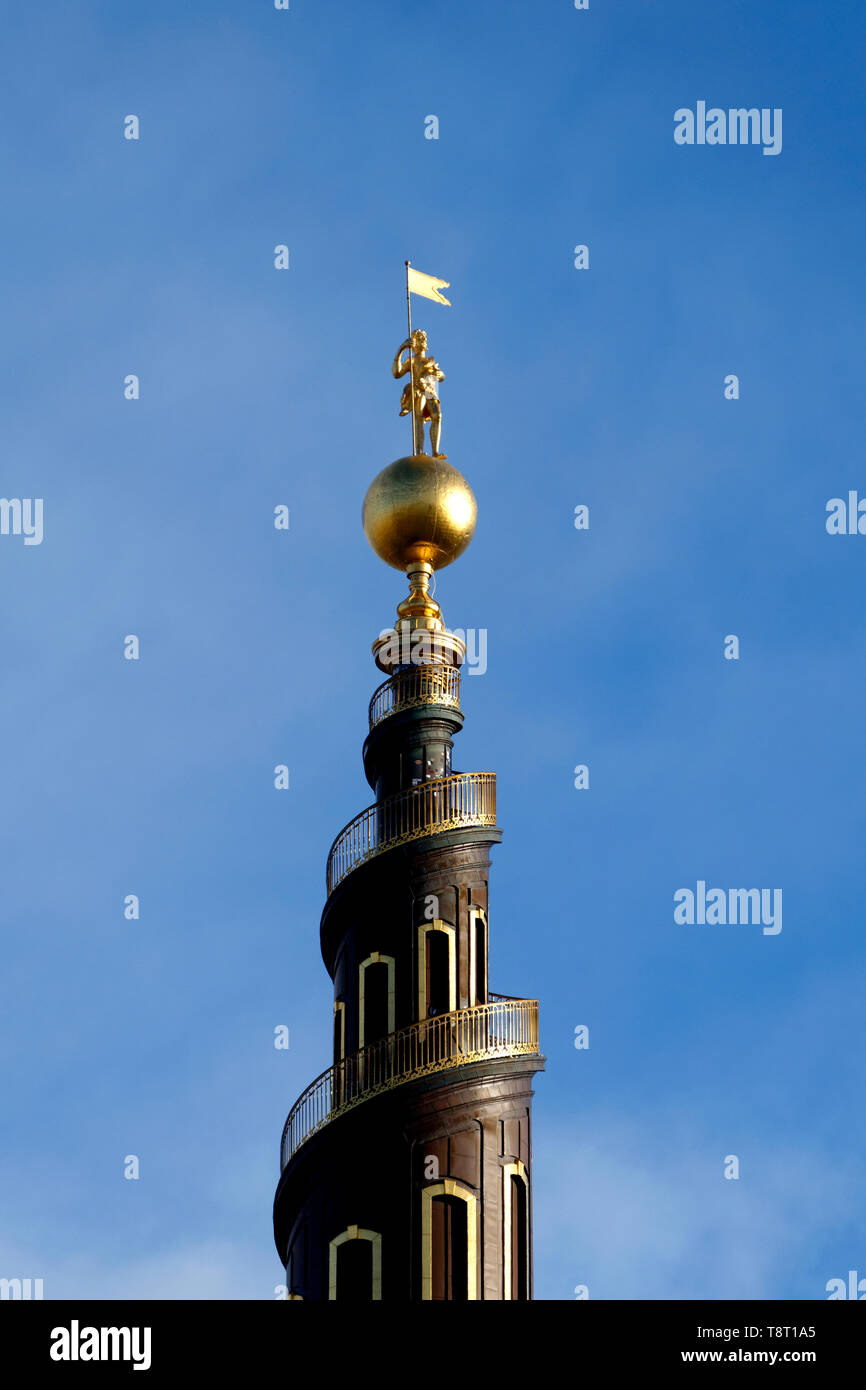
point(399, 368)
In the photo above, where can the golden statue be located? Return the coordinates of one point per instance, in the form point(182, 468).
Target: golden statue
point(419, 512)
point(421, 393)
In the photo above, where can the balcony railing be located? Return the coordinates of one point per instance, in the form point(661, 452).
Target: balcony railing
point(447, 803)
point(449, 1040)
point(421, 685)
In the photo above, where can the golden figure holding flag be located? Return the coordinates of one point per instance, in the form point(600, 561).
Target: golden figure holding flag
point(421, 394)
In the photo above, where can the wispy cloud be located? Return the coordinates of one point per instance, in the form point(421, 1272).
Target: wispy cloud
point(640, 1208)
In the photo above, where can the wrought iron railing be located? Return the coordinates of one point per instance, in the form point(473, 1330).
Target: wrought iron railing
point(447, 803)
point(421, 685)
point(448, 1040)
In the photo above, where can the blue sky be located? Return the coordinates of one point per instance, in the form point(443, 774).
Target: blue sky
point(602, 387)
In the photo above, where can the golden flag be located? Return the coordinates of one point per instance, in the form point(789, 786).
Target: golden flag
point(428, 285)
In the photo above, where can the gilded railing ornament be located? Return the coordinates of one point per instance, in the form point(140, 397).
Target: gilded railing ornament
point(420, 685)
point(504, 1028)
point(455, 802)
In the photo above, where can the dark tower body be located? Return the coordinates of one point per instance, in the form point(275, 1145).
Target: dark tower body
point(406, 1167)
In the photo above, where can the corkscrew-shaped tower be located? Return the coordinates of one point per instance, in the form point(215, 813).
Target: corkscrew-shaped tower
point(406, 1166)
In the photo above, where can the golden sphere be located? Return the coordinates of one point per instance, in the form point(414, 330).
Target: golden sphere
point(419, 508)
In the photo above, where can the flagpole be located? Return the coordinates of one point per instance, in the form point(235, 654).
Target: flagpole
point(411, 359)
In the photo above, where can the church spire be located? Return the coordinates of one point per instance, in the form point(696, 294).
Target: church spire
point(430, 1085)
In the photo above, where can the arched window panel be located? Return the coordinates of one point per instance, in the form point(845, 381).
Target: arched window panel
point(338, 1083)
point(376, 998)
point(355, 1266)
point(515, 1235)
point(449, 1221)
point(437, 968)
point(478, 954)
point(339, 1030)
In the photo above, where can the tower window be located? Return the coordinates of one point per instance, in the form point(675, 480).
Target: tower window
point(478, 954)
point(338, 1084)
point(427, 764)
point(355, 1271)
point(517, 1196)
point(449, 1266)
point(375, 1003)
point(435, 762)
point(375, 998)
point(339, 1031)
point(448, 1241)
point(437, 969)
point(438, 979)
point(515, 1211)
point(355, 1266)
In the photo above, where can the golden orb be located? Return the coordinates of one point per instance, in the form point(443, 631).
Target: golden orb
point(419, 508)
